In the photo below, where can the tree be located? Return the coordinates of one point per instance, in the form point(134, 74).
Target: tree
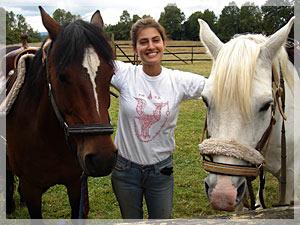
point(276, 14)
point(11, 34)
point(191, 26)
point(171, 20)
point(17, 25)
point(123, 27)
point(125, 17)
point(121, 30)
point(135, 18)
point(229, 22)
point(250, 18)
point(63, 17)
point(210, 18)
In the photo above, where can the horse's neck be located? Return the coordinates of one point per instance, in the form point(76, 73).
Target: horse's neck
point(33, 100)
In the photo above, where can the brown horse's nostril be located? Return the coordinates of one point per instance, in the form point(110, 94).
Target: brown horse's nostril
point(91, 163)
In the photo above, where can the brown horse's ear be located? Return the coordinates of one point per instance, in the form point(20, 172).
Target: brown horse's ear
point(50, 24)
point(97, 19)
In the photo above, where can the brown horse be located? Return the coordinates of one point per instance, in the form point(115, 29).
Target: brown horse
point(59, 126)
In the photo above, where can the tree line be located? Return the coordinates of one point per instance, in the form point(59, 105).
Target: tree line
point(249, 18)
point(16, 25)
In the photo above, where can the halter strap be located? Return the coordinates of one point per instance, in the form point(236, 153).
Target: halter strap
point(232, 170)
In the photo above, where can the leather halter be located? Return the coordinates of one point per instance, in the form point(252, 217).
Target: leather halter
point(251, 172)
point(86, 129)
point(278, 95)
point(232, 170)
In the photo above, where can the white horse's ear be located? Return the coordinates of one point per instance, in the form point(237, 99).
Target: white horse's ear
point(209, 39)
point(275, 41)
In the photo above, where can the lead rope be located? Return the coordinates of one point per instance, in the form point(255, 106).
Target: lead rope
point(251, 194)
point(262, 182)
point(283, 146)
point(280, 99)
point(84, 205)
point(261, 144)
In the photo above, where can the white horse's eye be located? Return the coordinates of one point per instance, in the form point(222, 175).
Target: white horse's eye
point(266, 106)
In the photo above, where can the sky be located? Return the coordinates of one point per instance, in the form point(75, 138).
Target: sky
point(111, 10)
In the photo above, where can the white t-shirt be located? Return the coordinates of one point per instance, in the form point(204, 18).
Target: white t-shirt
point(148, 112)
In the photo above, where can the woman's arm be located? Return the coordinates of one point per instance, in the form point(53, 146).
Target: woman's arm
point(121, 72)
point(190, 84)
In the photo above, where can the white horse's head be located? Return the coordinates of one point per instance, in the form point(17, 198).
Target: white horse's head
point(238, 96)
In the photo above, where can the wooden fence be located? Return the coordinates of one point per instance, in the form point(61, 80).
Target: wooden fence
point(173, 53)
point(178, 52)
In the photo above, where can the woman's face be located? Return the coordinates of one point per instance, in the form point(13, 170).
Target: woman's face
point(150, 46)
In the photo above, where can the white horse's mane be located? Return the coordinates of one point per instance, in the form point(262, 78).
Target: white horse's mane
point(234, 71)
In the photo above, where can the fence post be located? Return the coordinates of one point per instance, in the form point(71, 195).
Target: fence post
point(113, 45)
point(136, 59)
point(192, 59)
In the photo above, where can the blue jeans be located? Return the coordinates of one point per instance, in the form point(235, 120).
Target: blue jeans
point(131, 182)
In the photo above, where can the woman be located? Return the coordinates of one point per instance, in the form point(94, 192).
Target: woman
point(149, 99)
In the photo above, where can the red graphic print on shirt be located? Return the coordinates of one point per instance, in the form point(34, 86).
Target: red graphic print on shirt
point(150, 117)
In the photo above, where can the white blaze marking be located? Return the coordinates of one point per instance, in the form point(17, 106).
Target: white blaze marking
point(91, 62)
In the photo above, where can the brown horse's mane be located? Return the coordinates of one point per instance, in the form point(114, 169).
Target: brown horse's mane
point(73, 40)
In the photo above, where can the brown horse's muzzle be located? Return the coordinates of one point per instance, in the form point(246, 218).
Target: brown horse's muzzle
point(97, 155)
point(98, 166)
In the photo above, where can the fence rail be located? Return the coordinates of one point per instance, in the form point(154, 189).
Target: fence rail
point(173, 53)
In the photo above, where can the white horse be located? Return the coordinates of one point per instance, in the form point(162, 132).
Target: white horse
point(239, 100)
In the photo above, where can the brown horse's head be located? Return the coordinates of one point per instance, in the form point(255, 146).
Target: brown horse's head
point(79, 69)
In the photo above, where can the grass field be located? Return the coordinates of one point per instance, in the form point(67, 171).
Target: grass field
point(189, 196)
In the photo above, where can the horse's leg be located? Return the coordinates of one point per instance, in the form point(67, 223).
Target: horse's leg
point(10, 203)
point(22, 200)
point(33, 198)
point(73, 190)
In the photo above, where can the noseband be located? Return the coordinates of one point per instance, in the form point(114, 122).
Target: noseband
point(82, 129)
